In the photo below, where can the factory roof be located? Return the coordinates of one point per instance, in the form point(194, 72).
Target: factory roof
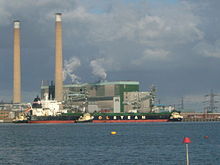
point(101, 83)
point(119, 82)
point(105, 83)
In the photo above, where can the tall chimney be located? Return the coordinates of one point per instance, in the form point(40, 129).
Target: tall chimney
point(17, 64)
point(58, 60)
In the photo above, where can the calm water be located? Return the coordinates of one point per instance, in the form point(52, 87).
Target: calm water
point(92, 144)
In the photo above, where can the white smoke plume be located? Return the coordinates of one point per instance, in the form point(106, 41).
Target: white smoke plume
point(70, 67)
point(97, 68)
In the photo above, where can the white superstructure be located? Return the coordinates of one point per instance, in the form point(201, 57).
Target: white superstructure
point(47, 107)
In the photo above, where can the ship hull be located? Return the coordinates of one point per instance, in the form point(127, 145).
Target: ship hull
point(21, 121)
point(52, 119)
point(131, 118)
point(104, 118)
point(175, 120)
point(129, 121)
point(84, 121)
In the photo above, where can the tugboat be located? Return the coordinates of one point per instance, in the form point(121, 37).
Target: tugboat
point(21, 118)
point(86, 118)
point(175, 116)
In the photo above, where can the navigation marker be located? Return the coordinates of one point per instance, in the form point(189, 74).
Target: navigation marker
point(187, 140)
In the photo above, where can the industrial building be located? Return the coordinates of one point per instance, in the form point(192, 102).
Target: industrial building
point(119, 96)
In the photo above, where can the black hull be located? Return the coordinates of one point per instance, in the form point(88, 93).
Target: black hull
point(105, 118)
point(176, 120)
point(50, 118)
point(85, 121)
point(21, 121)
point(132, 117)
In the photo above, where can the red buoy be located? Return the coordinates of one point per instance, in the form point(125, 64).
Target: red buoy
point(187, 140)
point(206, 137)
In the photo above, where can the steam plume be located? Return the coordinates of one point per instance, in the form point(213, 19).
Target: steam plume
point(70, 67)
point(97, 68)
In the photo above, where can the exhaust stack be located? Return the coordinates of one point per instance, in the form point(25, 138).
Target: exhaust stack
point(58, 59)
point(17, 64)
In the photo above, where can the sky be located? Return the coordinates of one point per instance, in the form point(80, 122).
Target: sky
point(173, 44)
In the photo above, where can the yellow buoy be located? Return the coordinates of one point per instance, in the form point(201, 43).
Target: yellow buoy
point(113, 133)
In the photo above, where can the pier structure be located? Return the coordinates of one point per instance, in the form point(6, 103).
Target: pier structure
point(200, 117)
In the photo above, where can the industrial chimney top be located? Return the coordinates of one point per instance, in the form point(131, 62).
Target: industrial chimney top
point(16, 24)
point(58, 17)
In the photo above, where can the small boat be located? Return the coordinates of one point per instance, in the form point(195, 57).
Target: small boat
point(21, 118)
point(86, 118)
point(175, 116)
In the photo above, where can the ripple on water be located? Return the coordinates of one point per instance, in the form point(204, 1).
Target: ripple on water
point(85, 144)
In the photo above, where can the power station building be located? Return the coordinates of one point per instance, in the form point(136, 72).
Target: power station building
point(119, 96)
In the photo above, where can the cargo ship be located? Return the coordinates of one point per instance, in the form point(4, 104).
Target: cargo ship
point(48, 111)
point(107, 118)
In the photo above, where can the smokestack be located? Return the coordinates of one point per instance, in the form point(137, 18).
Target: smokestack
point(58, 59)
point(17, 64)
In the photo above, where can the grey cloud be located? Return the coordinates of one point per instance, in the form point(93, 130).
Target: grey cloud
point(143, 31)
point(208, 49)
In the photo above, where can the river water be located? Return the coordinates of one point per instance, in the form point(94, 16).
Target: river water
point(93, 144)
